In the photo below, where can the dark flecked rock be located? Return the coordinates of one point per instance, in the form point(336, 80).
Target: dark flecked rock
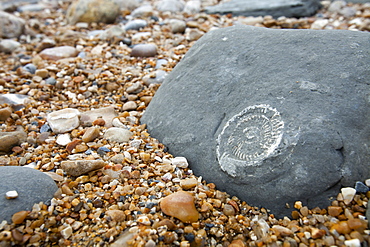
point(89, 11)
point(10, 139)
point(32, 186)
point(361, 187)
point(11, 26)
point(271, 116)
point(276, 8)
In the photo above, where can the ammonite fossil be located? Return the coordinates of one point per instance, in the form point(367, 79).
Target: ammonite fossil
point(249, 137)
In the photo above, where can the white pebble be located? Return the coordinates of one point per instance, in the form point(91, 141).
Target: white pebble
point(66, 232)
point(348, 194)
point(353, 243)
point(180, 162)
point(143, 219)
point(367, 182)
point(11, 194)
point(64, 139)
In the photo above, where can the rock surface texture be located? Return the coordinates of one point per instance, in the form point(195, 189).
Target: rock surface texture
point(294, 8)
point(270, 116)
point(31, 185)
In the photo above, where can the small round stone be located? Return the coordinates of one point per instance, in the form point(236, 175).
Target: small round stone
point(144, 50)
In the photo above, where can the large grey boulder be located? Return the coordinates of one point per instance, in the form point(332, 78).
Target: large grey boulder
point(275, 8)
point(32, 186)
point(271, 116)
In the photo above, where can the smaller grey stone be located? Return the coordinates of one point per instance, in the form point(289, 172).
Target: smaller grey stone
point(51, 81)
point(110, 33)
point(32, 186)
point(135, 25)
point(118, 135)
point(135, 88)
point(129, 106)
point(117, 159)
point(336, 6)
point(192, 7)
point(348, 11)
point(193, 34)
point(144, 50)
point(9, 45)
point(79, 167)
point(361, 187)
point(31, 7)
point(143, 11)
point(177, 26)
point(170, 5)
point(11, 26)
point(127, 4)
point(157, 78)
point(30, 68)
point(160, 63)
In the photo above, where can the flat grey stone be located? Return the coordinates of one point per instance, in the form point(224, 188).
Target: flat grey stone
point(32, 186)
point(275, 8)
point(271, 116)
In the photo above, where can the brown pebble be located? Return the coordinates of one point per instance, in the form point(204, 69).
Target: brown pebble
point(17, 235)
point(99, 122)
point(317, 233)
point(91, 133)
point(79, 167)
point(17, 149)
point(43, 73)
point(70, 146)
point(19, 217)
point(356, 224)
point(5, 113)
point(111, 86)
point(334, 211)
point(228, 210)
point(189, 183)
point(237, 243)
point(116, 215)
point(180, 205)
point(166, 222)
point(341, 227)
point(282, 231)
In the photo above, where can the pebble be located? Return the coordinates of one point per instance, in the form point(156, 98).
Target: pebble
point(63, 139)
point(144, 50)
point(119, 135)
point(193, 34)
point(57, 53)
point(156, 77)
point(129, 106)
point(180, 162)
point(105, 113)
point(353, 243)
point(116, 215)
point(12, 194)
point(135, 25)
point(348, 194)
point(360, 187)
point(192, 7)
point(80, 167)
point(43, 73)
point(9, 45)
point(173, 6)
point(64, 120)
point(19, 217)
point(180, 205)
point(90, 11)
point(30, 68)
point(91, 134)
point(5, 113)
point(143, 11)
point(11, 26)
point(7, 142)
point(177, 26)
point(189, 183)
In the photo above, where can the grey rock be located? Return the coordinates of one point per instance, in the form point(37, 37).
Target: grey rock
point(135, 25)
point(192, 7)
point(276, 8)
point(271, 116)
point(30, 68)
point(111, 33)
point(144, 50)
point(11, 26)
point(16, 101)
point(31, 7)
point(127, 4)
point(170, 5)
point(32, 186)
point(177, 26)
point(157, 77)
point(9, 45)
point(143, 11)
